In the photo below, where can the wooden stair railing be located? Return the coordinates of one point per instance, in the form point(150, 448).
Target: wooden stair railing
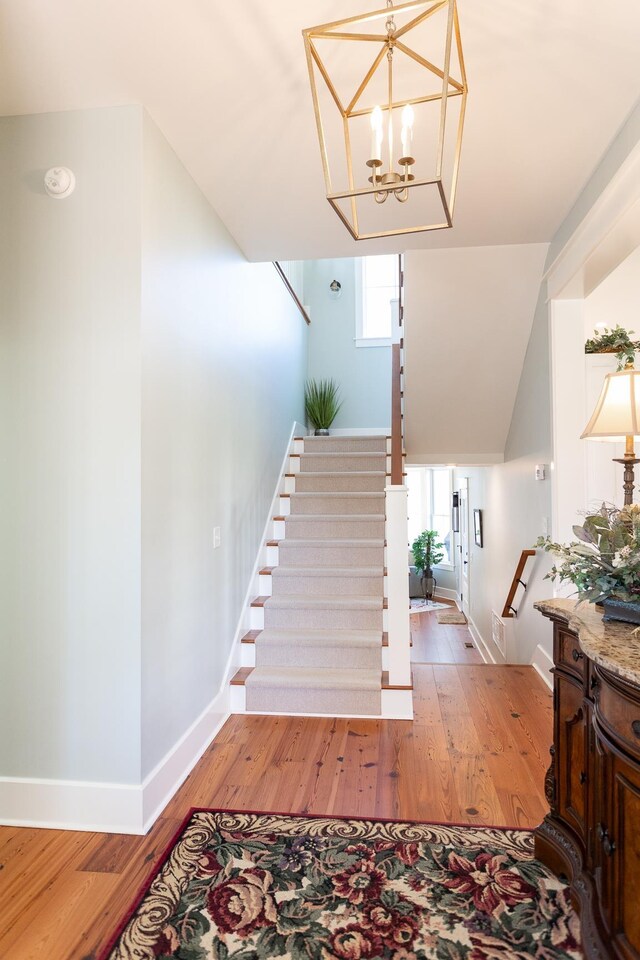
point(294, 295)
point(509, 611)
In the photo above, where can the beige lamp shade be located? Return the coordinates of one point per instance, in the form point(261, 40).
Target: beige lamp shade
point(617, 412)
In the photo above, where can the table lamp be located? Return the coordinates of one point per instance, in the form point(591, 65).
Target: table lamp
point(617, 417)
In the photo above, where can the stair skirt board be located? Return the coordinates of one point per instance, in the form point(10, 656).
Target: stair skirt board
point(322, 600)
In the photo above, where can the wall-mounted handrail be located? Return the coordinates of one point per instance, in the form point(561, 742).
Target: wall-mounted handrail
point(509, 611)
point(296, 299)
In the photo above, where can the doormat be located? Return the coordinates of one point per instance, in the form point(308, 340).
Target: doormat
point(418, 605)
point(451, 616)
point(252, 885)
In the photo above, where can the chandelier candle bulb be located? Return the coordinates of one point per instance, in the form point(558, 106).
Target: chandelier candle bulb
point(407, 130)
point(376, 134)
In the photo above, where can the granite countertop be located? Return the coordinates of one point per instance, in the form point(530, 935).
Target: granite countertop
point(614, 645)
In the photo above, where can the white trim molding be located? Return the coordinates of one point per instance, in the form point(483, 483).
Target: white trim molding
point(543, 665)
point(608, 233)
point(112, 807)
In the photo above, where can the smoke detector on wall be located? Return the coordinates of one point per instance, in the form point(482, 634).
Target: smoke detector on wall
point(59, 182)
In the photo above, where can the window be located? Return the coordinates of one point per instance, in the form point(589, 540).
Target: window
point(430, 494)
point(378, 301)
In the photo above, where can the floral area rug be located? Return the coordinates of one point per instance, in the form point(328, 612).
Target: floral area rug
point(245, 886)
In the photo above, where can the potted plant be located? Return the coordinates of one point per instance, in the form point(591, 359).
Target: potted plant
point(604, 562)
point(617, 340)
point(321, 404)
point(427, 553)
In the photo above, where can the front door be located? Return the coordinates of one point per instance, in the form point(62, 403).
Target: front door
point(463, 546)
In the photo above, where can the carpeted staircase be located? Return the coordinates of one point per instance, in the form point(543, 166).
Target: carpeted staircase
point(320, 650)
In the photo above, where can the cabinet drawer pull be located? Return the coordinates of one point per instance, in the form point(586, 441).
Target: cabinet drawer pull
point(635, 726)
point(577, 655)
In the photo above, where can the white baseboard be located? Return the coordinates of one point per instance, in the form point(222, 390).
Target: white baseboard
point(112, 807)
point(488, 651)
point(446, 594)
point(542, 664)
point(71, 805)
point(167, 777)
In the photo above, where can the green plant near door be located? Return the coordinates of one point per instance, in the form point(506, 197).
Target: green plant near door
point(321, 403)
point(427, 551)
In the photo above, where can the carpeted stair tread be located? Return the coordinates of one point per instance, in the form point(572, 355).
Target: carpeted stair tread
point(341, 495)
point(327, 679)
point(334, 542)
point(322, 638)
point(342, 454)
point(285, 571)
point(301, 601)
point(333, 517)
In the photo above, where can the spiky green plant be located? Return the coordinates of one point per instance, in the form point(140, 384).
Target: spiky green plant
point(321, 403)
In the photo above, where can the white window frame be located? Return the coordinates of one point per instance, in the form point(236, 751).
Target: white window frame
point(428, 515)
point(360, 339)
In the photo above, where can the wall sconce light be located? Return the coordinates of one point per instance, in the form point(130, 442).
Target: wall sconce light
point(335, 289)
point(59, 182)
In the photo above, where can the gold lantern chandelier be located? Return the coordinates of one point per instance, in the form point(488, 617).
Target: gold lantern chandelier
point(415, 85)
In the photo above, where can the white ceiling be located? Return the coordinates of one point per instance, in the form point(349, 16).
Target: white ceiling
point(550, 84)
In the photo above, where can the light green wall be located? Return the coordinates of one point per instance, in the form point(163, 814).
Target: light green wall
point(70, 448)
point(363, 373)
point(149, 380)
point(224, 357)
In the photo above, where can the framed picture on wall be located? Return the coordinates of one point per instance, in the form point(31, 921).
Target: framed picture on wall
point(477, 526)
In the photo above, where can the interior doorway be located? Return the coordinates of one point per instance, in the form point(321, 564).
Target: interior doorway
point(463, 546)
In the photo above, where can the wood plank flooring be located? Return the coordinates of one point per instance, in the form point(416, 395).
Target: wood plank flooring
point(435, 642)
point(476, 753)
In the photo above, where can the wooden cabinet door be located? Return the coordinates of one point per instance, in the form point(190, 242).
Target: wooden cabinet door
point(571, 753)
point(622, 847)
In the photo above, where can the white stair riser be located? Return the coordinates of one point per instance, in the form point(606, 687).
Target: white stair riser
point(248, 655)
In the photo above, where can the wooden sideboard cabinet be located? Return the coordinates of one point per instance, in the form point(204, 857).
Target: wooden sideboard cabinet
point(592, 834)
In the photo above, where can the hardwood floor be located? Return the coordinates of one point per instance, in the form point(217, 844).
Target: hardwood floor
point(476, 752)
point(435, 642)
